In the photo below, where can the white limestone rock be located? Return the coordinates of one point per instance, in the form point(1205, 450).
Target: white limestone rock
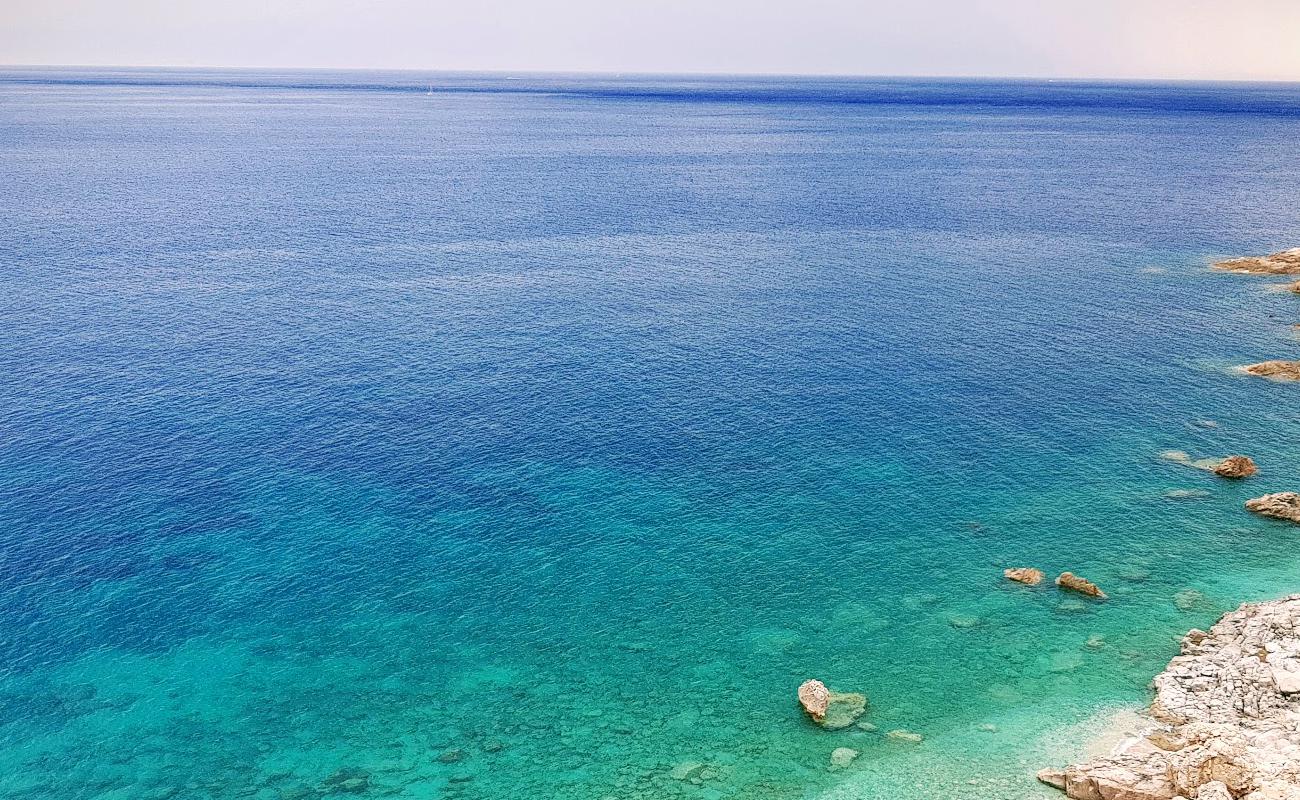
point(1225, 719)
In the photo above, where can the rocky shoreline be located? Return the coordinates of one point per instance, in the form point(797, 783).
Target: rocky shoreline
point(1225, 722)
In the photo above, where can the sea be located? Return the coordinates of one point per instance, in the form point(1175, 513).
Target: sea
point(520, 437)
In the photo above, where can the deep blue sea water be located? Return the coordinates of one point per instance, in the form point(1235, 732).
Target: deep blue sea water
point(447, 436)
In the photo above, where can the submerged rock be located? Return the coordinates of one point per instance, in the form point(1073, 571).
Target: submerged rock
point(842, 757)
point(1286, 262)
point(1026, 575)
point(352, 780)
point(1236, 467)
point(1186, 494)
point(1277, 370)
point(900, 735)
point(1224, 721)
point(1180, 457)
point(844, 710)
point(1063, 662)
point(1188, 599)
point(1071, 606)
point(1068, 580)
point(1280, 505)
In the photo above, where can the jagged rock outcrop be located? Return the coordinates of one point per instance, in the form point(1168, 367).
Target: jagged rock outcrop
point(1026, 575)
point(1068, 580)
point(1280, 505)
point(1236, 467)
point(831, 710)
point(1277, 370)
point(1225, 720)
point(1287, 262)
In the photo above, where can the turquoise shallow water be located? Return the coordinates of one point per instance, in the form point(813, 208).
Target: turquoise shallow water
point(538, 441)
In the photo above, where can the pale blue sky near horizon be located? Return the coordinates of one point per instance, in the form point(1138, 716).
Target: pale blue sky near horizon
point(1174, 39)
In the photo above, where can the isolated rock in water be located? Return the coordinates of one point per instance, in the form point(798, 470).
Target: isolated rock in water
point(815, 698)
point(1282, 505)
point(1026, 575)
point(1293, 287)
point(1068, 580)
point(841, 757)
point(1277, 370)
point(831, 710)
point(1287, 262)
point(1224, 719)
point(1236, 467)
point(844, 710)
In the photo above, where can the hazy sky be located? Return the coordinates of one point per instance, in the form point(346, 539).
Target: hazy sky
point(1061, 38)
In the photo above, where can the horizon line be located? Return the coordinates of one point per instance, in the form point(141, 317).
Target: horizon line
point(658, 74)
